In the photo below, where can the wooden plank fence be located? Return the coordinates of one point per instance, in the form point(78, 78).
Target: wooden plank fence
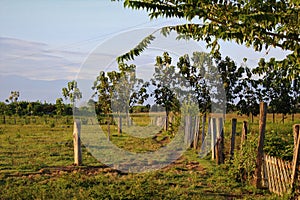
point(277, 174)
point(282, 176)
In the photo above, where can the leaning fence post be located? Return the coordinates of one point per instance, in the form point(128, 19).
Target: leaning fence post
point(233, 132)
point(296, 134)
point(296, 156)
point(77, 143)
point(259, 157)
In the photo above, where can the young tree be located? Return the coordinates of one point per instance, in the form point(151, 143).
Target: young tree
point(249, 95)
point(197, 76)
point(295, 96)
point(165, 80)
point(117, 91)
point(231, 78)
point(14, 96)
point(72, 92)
point(59, 106)
point(277, 87)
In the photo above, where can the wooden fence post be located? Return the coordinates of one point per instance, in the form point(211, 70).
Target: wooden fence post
point(233, 132)
point(196, 132)
point(244, 133)
point(120, 125)
point(203, 127)
point(77, 143)
point(220, 143)
point(213, 137)
point(259, 158)
point(108, 130)
point(296, 156)
point(296, 134)
point(187, 130)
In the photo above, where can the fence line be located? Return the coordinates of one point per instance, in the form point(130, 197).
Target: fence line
point(277, 174)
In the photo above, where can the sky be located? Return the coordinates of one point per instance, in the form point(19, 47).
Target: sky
point(46, 43)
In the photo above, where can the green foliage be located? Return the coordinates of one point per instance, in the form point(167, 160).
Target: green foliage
point(14, 96)
point(137, 50)
point(164, 80)
point(120, 89)
point(198, 76)
point(72, 92)
point(252, 23)
point(59, 106)
point(243, 165)
point(280, 144)
point(139, 109)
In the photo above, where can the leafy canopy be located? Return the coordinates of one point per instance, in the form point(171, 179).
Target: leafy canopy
point(260, 24)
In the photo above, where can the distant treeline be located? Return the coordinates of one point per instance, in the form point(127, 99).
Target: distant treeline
point(25, 108)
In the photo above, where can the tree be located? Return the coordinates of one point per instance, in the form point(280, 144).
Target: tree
point(59, 106)
point(14, 104)
point(295, 104)
point(72, 92)
point(256, 24)
point(197, 76)
point(277, 87)
point(14, 96)
point(117, 91)
point(231, 77)
point(249, 94)
point(165, 80)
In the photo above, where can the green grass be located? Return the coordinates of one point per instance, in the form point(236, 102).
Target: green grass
point(279, 139)
point(36, 163)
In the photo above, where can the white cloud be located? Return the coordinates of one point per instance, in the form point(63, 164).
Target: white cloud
point(37, 60)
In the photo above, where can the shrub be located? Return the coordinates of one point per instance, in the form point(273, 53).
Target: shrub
point(243, 166)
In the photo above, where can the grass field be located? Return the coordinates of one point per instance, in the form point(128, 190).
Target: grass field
point(36, 163)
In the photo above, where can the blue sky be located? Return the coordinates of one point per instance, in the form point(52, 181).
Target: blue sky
point(44, 42)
